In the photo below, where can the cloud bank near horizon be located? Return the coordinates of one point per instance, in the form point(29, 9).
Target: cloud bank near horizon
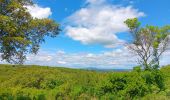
point(116, 59)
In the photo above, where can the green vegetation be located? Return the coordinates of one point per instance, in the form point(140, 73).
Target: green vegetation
point(148, 43)
point(47, 83)
point(20, 33)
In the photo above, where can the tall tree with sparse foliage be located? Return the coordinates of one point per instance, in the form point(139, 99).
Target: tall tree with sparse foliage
point(20, 33)
point(149, 42)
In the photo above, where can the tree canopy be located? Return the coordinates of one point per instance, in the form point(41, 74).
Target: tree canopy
point(149, 42)
point(20, 33)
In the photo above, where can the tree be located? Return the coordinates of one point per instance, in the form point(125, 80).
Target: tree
point(148, 42)
point(20, 33)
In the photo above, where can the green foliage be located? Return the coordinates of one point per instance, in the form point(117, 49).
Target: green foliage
point(45, 83)
point(127, 85)
point(148, 42)
point(137, 69)
point(23, 97)
point(154, 77)
point(20, 33)
point(159, 79)
point(6, 96)
point(135, 84)
point(132, 23)
point(114, 83)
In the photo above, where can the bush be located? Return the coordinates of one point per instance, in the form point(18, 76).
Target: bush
point(127, 85)
point(159, 79)
point(51, 84)
point(23, 97)
point(113, 84)
point(136, 86)
point(41, 97)
point(6, 96)
point(154, 78)
point(137, 69)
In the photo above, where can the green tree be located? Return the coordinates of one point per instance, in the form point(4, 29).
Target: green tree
point(20, 33)
point(149, 42)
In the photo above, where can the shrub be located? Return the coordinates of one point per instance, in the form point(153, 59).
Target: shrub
point(23, 97)
point(41, 97)
point(136, 85)
point(137, 69)
point(51, 84)
point(128, 85)
point(154, 78)
point(159, 79)
point(6, 96)
point(113, 84)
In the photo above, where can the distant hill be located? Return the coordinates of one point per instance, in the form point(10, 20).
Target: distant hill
point(107, 70)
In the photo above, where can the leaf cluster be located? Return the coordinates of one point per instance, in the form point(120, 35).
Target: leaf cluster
point(20, 33)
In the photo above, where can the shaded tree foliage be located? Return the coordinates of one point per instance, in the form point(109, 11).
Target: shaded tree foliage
point(20, 33)
point(149, 42)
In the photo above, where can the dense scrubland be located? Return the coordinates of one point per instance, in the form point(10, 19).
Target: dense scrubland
point(48, 83)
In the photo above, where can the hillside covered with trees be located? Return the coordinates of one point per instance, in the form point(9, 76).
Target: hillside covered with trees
point(46, 83)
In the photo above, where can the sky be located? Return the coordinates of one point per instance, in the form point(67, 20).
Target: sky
point(93, 31)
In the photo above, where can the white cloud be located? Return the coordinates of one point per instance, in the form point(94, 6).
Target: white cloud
point(105, 60)
point(118, 58)
point(165, 58)
point(99, 22)
point(39, 12)
point(95, 1)
point(61, 62)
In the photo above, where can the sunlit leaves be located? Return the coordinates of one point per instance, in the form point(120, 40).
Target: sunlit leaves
point(20, 33)
point(149, 42)
point(132, 23)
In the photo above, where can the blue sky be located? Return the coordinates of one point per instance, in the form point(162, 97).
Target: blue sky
point(93, 31)
point(157, 13)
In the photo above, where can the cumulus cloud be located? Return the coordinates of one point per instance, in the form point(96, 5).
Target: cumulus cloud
point(39, 12)
point(99, 23)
